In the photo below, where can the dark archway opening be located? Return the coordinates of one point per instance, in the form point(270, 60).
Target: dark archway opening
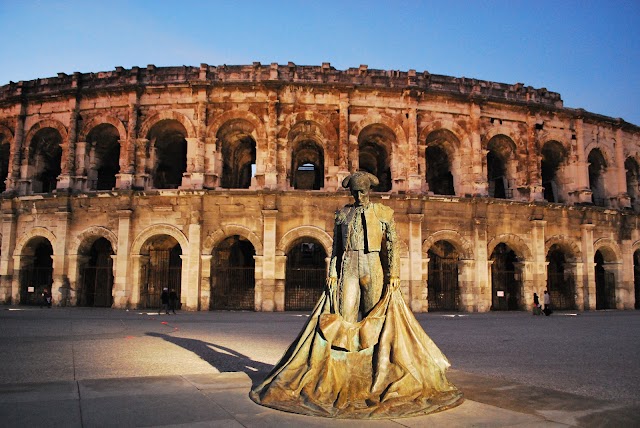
point(560, 281)
point(305, 275)
point(605, 284)
point(36, 271)
point(96, 276)
point(233, 275)
point(442, 282)
point(45, 158)
point(506, 282)
point(439, 177)
point(161, 268)
point(552, 157)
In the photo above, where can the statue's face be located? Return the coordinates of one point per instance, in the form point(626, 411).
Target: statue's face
point(361, 196)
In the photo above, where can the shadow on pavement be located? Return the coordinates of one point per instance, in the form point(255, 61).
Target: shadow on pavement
point(220, 357)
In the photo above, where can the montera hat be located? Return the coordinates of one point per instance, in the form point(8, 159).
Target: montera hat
point(360, 180)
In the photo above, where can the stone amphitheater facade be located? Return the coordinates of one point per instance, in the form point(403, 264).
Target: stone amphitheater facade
point(221, 182)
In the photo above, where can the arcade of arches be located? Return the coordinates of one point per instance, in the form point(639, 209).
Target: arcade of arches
point(221, 183)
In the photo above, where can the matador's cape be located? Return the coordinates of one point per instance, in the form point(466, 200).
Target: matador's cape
point(384, 366)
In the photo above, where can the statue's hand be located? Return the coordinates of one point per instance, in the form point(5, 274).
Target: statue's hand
point(331, 282)
point(394, 282)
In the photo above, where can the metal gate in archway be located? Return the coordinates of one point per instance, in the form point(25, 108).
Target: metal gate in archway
point(33, 281)
point(506, 286)
point(233, 288)
point(97, 284)
point(561, 290)
point(164, 269)
point(442, 284)
point(306, 274)
point(605, 289)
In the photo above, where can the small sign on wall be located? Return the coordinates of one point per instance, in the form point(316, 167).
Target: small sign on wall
point(30, 289)
point(500, 293)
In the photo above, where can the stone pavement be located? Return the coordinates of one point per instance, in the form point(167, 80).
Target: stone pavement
point(221, 400)
point(97, 368)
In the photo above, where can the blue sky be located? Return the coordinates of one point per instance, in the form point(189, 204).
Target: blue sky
point(588, 51)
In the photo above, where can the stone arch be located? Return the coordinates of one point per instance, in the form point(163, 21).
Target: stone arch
point(99, 120)
point(46, 123)
point(378, 119)
point(154, 118)
point(6, 134)
point(462, 246)
point(219, 121)
point(609, 248)
point(33, 233)
point(515, 243)
point(289, 238)
point(216, 237)
point(454, 129)
point(292, 120)
point(609, 157)
point(568, 246)
point(635, 246)
point(160, 229)
point(504, 131)
point(82, 242)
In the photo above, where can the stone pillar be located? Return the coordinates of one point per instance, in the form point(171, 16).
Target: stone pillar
point(480, 185)
point(205, 281)
point(69, 152)
point(13, 175)
point(417, 289)
point(259, 296)
point(577, 270)
point(122, 291)
point(60, 260)
point(582, 192)
point(269, 279)
point(80, 171)
point(193, 178)
point(212, 159)
point(626, 284)
point(137, 261)
point(73, 286)
point(482, 274)
point(8, 246)
point(467, 285)
point(190, 293)
point(271, 178)
point(528, 284)
point(536, 190)
point(414, 178)
point(142, 177)
point(343, 139)
point(624, 199)
point(538, 266)
point(589, 274)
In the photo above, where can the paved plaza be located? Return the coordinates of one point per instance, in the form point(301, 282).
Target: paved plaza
point(89, 367)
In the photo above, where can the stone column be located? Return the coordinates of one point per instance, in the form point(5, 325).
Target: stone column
point(477, 155)
point(539, 258)
point(343, 139)
point(414, 178)
point(536, 190)
point(482, 273)
point(69, 152)
point(259, 299)
point(13, 176)
point(213, 163)
point(190, 294)
point(577, 270)
point(626, 284)
point(8, 246)
point(122, 291)
point(624, 199)
point(467, 285)
point(137, 261)
point(60, 260)
point(205, 281)
point(271, 178)
point(142, 177)
point(528, 284)
point(269, 278)
point(417, 289)
point(582, 191)
point(589, 274)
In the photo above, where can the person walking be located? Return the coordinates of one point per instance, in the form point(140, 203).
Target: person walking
point(46, 298)
point(173, 300)
point(536, 305)
point(164, 299)
point(547, 303)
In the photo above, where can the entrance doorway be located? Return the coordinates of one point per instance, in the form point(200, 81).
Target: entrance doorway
point(36, 271)
point(605, 284)
point(560, 282)
point(162, 268)
point(506, 283)
point(233, 275)
point(442, 282)
point(97, 276)
point(305, 276)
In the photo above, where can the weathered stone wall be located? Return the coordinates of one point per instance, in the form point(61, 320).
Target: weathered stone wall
point(494, 139)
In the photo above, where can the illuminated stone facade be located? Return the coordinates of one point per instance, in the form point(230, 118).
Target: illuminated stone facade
point(222, 182)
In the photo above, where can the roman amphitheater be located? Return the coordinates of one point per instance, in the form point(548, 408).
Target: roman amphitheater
point(221, 182)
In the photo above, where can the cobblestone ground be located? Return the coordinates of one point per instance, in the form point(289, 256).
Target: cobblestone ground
point(593, 354)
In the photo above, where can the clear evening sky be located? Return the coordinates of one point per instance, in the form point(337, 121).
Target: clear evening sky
point(588, 51)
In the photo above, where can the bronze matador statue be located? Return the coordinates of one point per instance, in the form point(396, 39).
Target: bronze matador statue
point(362, 354)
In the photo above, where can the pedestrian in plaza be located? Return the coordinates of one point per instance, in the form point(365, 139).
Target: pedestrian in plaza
point(536, 305)
point(46, 298)
point(173, 300)
point(164, 299)
point(547, 303)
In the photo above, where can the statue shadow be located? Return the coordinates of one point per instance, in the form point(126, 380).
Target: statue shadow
point(220, 357)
